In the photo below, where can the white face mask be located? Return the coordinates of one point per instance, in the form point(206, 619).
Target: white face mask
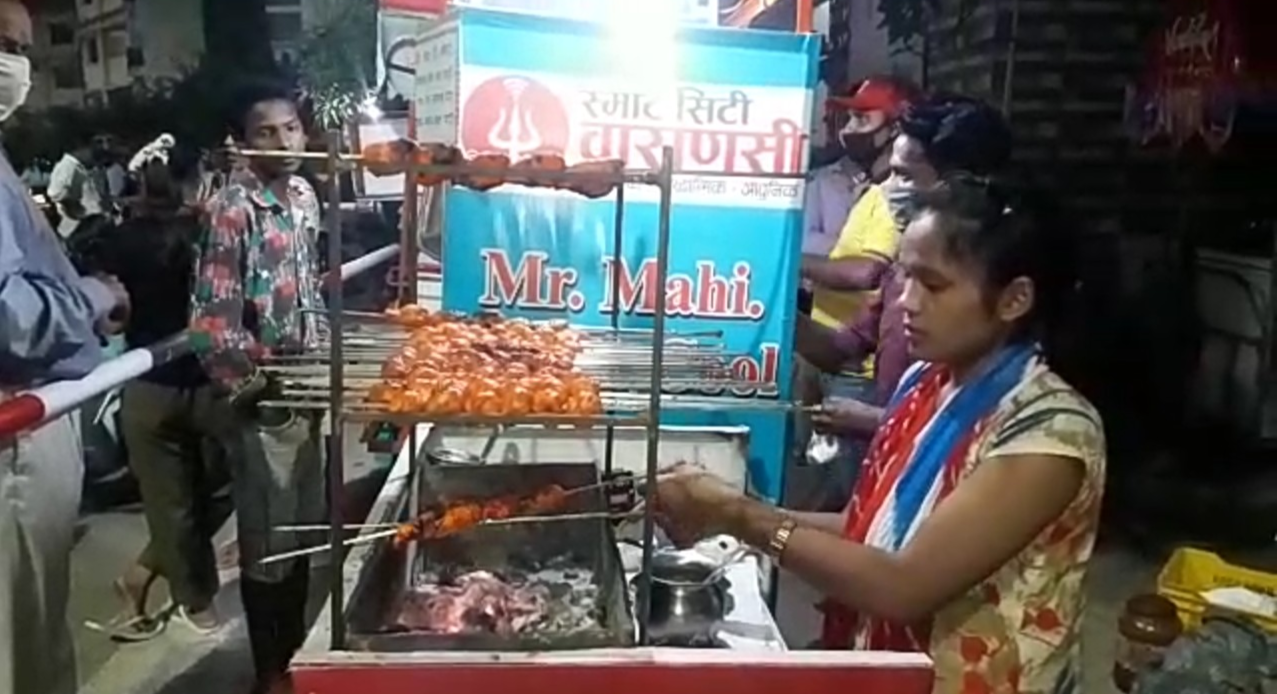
point(15, 83)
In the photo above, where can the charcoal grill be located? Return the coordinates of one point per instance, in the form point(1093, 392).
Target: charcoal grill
point(586, 545)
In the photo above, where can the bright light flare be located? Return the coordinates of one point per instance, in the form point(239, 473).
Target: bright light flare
point(370, 109)
point(643, 41)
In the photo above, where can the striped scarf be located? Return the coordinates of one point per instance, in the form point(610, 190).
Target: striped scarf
point(915, 460)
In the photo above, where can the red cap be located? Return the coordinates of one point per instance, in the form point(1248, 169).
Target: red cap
point(874, 94)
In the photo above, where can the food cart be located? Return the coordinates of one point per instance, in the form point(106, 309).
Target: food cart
point(690, 365)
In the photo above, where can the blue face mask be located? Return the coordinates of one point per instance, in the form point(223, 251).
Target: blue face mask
point(904, 203)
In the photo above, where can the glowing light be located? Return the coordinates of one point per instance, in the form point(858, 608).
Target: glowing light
point(644, 41)
point(370, 109)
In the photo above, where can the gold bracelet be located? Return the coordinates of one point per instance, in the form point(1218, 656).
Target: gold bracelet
point(780, 539)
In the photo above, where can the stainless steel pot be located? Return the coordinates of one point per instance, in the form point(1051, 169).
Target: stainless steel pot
point(452, 456)
point(685, 602)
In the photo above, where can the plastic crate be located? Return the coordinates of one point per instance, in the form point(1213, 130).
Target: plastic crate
point(1190, 572)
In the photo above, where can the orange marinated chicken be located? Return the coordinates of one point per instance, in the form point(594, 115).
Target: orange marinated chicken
point(463, 515)
point(484, 366)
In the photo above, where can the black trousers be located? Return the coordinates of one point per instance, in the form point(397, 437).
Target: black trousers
point(276, 616)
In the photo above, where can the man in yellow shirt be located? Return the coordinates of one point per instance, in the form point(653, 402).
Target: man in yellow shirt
point(846, 278)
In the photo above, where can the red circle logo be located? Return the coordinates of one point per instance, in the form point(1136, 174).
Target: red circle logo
point(514, 116)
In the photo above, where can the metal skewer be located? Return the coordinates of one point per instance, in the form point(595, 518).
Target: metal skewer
point(324, 527)
point(370, 538)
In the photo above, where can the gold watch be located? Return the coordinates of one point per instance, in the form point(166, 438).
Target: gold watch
point(780, 539)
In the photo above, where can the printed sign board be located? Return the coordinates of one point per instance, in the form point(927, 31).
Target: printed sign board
point(737, 103)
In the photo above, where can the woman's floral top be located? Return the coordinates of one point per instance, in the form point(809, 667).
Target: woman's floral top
point(257, 271)
point(1018, 632)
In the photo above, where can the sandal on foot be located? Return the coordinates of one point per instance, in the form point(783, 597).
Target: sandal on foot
point(134, 624)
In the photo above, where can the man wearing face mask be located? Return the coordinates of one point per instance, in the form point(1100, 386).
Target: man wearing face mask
point(845, 276)
point(51, 325)
point(835, 188)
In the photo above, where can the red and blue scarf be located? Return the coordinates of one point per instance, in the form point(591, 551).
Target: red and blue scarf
point(915, 460)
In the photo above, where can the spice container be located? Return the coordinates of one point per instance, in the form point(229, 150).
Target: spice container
point(1146, 628)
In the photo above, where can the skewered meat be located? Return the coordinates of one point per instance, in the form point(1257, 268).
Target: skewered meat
point(486, 181)
point(595, 188)
point(392, 158)
point(485, 367)
point(475, 602)
point(411, 316)
point(463, 515)
point(526, 170)
point(388, 158)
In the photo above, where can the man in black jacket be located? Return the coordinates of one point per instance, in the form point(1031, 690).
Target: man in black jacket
point(168, 417)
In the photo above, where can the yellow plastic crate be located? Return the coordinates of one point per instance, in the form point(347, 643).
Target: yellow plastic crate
point(1190, 572)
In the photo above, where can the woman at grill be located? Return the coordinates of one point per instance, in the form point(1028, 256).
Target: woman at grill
point(969, 532)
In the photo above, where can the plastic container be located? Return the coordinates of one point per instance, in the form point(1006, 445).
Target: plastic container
point(1190, 572)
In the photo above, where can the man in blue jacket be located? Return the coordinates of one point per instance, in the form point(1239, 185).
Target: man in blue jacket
point(51, 325)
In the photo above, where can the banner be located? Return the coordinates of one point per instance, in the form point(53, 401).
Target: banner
point(736, 102)
point(1210, 61)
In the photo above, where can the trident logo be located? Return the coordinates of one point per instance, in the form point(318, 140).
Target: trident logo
point(514, 132)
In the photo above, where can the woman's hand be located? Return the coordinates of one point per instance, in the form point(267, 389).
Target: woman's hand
point(692, 504)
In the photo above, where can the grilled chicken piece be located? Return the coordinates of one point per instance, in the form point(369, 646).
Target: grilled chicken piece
point(425, 158)
point(595, 188)
point(487, 181)
point(410, 316)
point(434, 154)
point(388, 158)
point(527, 170)
point(463, 515)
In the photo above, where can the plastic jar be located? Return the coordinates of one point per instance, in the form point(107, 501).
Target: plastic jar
point(1148, 625)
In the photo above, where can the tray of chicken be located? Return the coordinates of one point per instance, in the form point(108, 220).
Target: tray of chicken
point(411, 364)
point(455, 583)
point(487, 367)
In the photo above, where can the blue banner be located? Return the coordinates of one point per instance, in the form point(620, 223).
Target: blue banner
point(737, 103)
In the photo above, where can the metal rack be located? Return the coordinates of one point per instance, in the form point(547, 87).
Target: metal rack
point(627, 408)
point(339, 414)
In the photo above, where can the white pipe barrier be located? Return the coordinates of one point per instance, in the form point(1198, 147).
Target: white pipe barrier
point(33, 408)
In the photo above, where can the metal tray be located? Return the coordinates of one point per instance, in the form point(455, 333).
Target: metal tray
point(378, 599)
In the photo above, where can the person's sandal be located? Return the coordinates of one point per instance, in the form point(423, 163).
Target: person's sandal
point(133, 624)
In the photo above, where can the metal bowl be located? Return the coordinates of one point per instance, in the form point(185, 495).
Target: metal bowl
point(683, 602)
point(452, 456)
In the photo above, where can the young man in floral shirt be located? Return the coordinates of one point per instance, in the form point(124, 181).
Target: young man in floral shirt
point(257, 293)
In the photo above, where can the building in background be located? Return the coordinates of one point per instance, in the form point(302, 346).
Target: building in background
point(57, 78)
point(287, 20)
point(87, 50)
point(126, 43)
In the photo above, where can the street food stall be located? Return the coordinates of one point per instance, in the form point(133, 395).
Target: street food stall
point(596, 329)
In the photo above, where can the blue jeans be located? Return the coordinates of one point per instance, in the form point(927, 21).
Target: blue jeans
point(844, 469)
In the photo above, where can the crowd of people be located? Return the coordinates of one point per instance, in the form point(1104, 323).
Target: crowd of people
point(964, 476)
point(224, 248)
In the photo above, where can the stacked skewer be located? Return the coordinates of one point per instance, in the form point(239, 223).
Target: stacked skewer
point(614, 362)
